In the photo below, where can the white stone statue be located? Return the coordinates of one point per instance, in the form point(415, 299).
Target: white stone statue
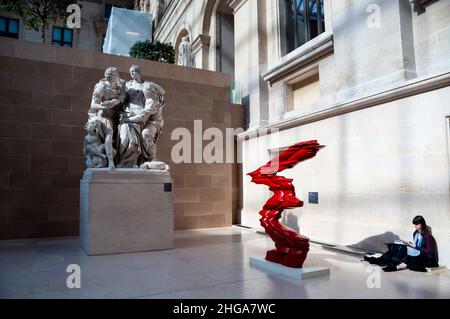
point(186, 55)
point(154, 102)
point(144, 6)
point(155, 10)
point(140, 123)
point(137, 105)
point(94, 145)
point(149, 6)
point(108, 96)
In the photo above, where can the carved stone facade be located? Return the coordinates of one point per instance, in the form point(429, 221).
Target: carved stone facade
point(209, 26)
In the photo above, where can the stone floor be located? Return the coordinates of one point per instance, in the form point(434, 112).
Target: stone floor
point(205, 264)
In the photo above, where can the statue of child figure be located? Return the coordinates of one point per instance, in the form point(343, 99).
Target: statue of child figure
point(94, 145)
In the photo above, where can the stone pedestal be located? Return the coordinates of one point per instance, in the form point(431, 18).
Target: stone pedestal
point(125, 210)
point(297, 273)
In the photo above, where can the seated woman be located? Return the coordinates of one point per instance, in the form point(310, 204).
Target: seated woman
point(420, 253)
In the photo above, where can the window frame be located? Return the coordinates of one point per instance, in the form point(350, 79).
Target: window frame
point(447, 126)
point(61, 42)
point(419, 6)
point(7, 33)
point(292, 22)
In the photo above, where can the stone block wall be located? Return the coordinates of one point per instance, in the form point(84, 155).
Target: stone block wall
point(45, 93)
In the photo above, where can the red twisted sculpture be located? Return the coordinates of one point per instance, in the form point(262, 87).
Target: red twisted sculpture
point(291, 248)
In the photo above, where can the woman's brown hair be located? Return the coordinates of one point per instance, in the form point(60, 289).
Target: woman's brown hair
point(420, 220)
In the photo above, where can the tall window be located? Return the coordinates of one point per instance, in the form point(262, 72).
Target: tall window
point(9, 27)
point(304, 21)
point(62, 36)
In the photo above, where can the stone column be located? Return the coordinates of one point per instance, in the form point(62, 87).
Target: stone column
point(251, 56)
point(274, 39)
point(373, 45)
point(200, 47)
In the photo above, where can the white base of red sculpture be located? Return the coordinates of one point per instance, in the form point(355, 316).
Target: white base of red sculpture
point(125, 210)
point(297, 273)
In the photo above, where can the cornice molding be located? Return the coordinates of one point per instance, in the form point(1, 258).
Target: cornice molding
point(201, 40)
point(307, 54)
point(410, 88)
point(236, 4)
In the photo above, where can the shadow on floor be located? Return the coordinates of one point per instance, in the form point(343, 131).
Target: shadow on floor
point(208, 239)
point(376, 243)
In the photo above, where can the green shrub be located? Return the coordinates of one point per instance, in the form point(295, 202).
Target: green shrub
point(155, 51)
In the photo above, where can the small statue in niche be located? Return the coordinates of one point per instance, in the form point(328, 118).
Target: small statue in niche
point(186, 55)
point(94, 145)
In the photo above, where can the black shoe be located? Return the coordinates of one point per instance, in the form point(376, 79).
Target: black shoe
point(390, 268)
point(374, 261)
point(367, 258)
point(418, 268)
point(371, 260)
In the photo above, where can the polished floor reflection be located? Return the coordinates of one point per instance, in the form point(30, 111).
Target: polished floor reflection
point(205, 264)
